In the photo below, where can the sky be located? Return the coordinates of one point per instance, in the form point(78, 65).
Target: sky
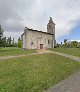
point(35, 14)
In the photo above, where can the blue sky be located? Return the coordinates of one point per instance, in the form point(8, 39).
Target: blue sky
point(35, 14)
point(74, 35)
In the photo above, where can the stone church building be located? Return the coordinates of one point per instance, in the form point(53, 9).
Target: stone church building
point(34, 39)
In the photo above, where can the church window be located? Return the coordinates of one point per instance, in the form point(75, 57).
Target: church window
point(49, 26)
point(48, 41)
point(32, 43)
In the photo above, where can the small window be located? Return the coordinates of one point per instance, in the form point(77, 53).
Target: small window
point(32, 43)
point(49, 26)
point(48, 41)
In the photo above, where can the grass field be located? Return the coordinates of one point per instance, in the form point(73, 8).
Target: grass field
point(14, 51)
point(35, 73)
point(71, 51)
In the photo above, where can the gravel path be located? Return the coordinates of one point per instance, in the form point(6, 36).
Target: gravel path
point(71, 84)
point(67, 55)
point(42, 52)
point(25, 55)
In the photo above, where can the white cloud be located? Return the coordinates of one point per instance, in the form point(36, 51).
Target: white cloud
point(73, 40)
point(35, 14)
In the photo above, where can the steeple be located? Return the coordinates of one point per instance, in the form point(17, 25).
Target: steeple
point(50, 21)
point(51, 26)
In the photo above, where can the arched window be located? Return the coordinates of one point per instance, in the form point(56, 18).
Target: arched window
point(32, 43)
point(48, 41)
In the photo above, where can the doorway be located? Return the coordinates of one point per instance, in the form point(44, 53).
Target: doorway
point(41, 46)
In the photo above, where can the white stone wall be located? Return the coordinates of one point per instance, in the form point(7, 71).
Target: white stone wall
point(34, 39)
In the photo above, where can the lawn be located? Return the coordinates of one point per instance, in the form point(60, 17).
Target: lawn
point(71, 51)
point(14, 51)
point(35, 73)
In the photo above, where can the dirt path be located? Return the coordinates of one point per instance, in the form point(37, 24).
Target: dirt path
point(61, 54)
point(68, 56)
point(25, 55)
point(42, 52)
point(71, 84)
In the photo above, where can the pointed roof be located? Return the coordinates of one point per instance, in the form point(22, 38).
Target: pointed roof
point(51, 21)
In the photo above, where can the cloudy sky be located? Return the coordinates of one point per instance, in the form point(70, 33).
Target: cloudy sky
point(16, 14)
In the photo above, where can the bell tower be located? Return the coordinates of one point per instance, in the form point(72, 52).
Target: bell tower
point(51, 27)
point(51, 30)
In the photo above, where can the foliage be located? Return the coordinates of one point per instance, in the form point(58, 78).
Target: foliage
point(65, 40)
point(68, 44)
point(9, 40)
point(1, 35)
point(35, 73)
point(1, 32)
point(74, 44)
point(4, 42)
point(19, 43)
point(78, 45)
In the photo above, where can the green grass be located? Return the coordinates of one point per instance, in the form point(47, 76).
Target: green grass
point(71, 51)
point(35, 73)
point(14, 51)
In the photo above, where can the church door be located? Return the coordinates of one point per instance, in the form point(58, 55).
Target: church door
point(41, 46)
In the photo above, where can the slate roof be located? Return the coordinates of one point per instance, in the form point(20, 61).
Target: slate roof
point(39, 31)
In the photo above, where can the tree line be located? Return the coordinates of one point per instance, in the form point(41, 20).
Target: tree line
point(9, 41)
point(69, 44)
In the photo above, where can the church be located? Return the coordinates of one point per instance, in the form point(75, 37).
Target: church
point(34, 39)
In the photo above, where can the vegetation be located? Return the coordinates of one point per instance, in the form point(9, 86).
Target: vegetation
point(71, 51)
point(9, 41)
point(1, 35)
point(35, 73)
point(74, 44)
point(68, 44)
point(19, 43)
point(14, 51)
point(4, 41)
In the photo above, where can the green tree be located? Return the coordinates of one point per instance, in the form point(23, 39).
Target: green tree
point(19, 42)
point(10, 40)
point(65, 41)
point(57, 45)
point(61, 44)
point(4, 42)
point(1, 35)
point(15, 44)
point(13, 41)
point(74, 44)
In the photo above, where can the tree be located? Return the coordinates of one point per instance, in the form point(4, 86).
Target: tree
point(13, 41)
point(1, 35)
point(15, 44)
point(4, 42)
point(65, 40)
point(19, 39)
point(61, 44)
point(57, 45)
point(19, 42)
point(74, 44)
point(10, 40)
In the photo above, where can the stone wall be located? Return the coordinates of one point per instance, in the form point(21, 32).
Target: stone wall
point(34, 39)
